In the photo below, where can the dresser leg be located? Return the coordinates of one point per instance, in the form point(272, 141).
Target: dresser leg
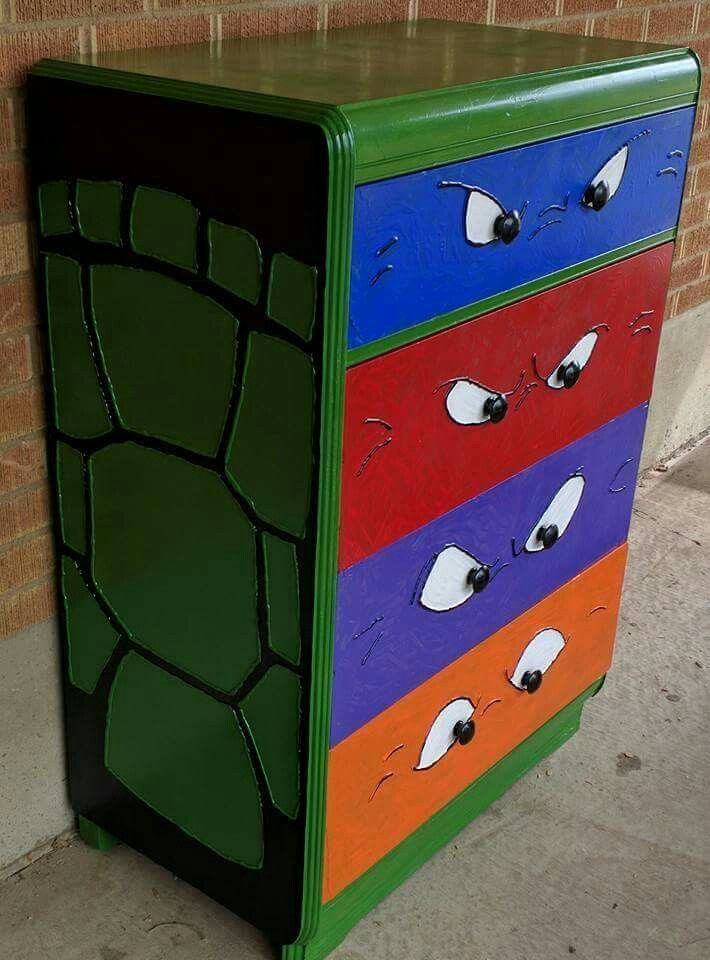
point(95, 836)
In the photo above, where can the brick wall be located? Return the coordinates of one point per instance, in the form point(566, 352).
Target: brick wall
point(30, 29)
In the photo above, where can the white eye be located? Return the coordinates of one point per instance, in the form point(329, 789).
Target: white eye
point(611, 174)
point(542, 651)
point(466, 402)
point(448, 584)
point(482, 211)
point(558, 515)
point(441, 736)
point(579, 355)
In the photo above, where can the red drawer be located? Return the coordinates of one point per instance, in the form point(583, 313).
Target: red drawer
point(422, 433)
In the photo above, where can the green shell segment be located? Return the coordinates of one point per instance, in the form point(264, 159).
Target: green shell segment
point(283, 609)
point(235, 260)
point(79, 405)
point(272, 711)
point(270, 456)
point(174, 556)
point(55, 209)
point(164, 226)
point(98, 210)
point(90, 637)
point(291, 299)
point(183, 754)
point(169, 354)
point(70, 485)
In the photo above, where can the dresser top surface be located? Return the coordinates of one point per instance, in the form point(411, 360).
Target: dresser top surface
point(374, 62)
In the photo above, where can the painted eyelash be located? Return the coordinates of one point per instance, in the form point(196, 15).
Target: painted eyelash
point(380, 273)
point(386, 246)
point(612, 488)
point(556, 206)
point(549, 223)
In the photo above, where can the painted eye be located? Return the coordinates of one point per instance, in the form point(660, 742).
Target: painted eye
point(468, 402)
point(442, 736)
point(604, 185)
point(555, 520)
point(570, 367)
point(453, 578)
point(539, 655)
point(482, 212)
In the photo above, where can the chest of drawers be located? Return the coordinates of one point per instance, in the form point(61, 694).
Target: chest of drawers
point(351, 339)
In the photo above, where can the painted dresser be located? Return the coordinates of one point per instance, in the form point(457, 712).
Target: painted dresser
point(351, 338)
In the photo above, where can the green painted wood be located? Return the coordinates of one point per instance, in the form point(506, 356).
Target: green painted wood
point(90, 637)
point(283, 604)
point(342, 913)
point(191, 554)
point(98, 210)
point(418, 332)
point(80, 410)
point(55, 210)
point(183, 754)
point(95, 836)
point(164, 226)
point(272, 710)
point(69, 466)
point(426, 93)
point(234, 260)
point(169, 354)
point(291, 299)
point(270, 454)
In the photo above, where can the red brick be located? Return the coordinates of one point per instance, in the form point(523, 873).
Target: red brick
point(22, 464)
point(151, 32)
point(7, 125)
point(372, 11)
point(14, 249)
point(30, 560)
point(702, 180)
point(17, 304)
point(463, 11)
point(577, 26)
point(589, 7)
point(696, 241)
point(21, 412)
point(671, 21)
point(701, 149)
point(696, 211)
point(21, 610)
point(693, 295)
point(19, 50)
point(518, 11)
point(15, 361)
point(24, 513)
point(13, 187)
point(704, 19)
point(268, 21)
point(625, 26)
point(702, 49)
point(686, 271)
point(32, 10)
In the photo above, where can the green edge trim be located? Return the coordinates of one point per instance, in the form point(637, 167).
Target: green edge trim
point(343, 912)
point(473, 310)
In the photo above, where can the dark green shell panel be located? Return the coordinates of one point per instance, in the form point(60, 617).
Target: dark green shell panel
point(70, 485)
point(91, 638)
point(169, 354)
point(55, 212)
point(270, 459)
point(174, 556)
point(80, 407)
point(164, 226)
point(184, 755)
point(272, 711)
point(292, 295)
point(282, 597)
point(235, 260)
point(98, 210)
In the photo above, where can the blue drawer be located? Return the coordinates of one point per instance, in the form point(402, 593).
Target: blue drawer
point(412, 260)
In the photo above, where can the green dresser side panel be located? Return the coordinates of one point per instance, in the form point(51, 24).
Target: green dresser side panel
point(91, 638)
point(80, 407)
point(234, 260)
point(270, 456)
point(185, 756)
point(292, 295)
point(55, 213)
point(169, 354)
point(272, 711)
point(175, 559)
point(282, 597)
point(164, 226)
point(98, 210)
point(69, 466)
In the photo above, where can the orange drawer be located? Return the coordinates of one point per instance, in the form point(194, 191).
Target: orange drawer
point(391, 775)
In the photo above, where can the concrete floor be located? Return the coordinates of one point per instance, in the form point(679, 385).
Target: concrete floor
point(602, 852)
